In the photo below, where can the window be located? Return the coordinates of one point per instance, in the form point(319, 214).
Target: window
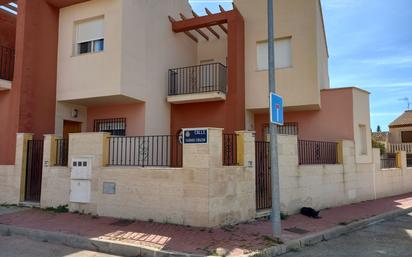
point(89, 36)
point(116, 127)
point(363, 140)
point(406, 136)
point(283, 52)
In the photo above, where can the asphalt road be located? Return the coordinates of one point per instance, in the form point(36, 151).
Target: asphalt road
point(13, 246)
point(390, 238)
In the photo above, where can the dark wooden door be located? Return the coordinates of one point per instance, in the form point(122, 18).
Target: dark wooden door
point(34, 166)
point(71, 127)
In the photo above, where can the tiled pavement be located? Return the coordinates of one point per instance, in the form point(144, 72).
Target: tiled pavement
point(238, 240)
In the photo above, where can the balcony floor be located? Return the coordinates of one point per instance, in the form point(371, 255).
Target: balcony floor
point(197, 97)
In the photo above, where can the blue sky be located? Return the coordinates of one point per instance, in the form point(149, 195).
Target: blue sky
point(370, 46)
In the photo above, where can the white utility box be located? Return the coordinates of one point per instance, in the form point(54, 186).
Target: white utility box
point(80, 191)
point(81, 168)
point(81, 174)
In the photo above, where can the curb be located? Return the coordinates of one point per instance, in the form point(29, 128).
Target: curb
point(91, 244)
point(325, 235)
point(130, 250)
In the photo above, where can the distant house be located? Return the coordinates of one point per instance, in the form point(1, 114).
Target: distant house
point(381, 137)
point(400, 130)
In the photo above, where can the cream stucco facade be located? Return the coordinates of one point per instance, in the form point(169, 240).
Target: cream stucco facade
point(300, 84)
point(139, 48)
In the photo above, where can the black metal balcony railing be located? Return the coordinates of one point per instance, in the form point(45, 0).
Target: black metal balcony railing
point(198, 79)
point(6, 63)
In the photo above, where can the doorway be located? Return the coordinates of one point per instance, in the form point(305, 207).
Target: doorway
point(71, 127)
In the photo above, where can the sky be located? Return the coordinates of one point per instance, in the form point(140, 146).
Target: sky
point(370, 46)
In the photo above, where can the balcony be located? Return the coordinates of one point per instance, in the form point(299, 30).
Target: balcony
point(6, 67)
point(201, 83)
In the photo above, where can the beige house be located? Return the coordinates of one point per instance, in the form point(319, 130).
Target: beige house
point(400, 133)
point(136, 80)
point(400, 130)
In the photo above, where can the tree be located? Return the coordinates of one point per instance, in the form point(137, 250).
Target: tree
point(378, 129)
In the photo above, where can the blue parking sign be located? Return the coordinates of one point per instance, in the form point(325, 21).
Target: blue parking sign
point(276, 109)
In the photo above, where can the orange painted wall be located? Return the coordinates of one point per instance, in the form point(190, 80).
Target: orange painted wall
point(333, 121)
point(134, 114)
point(229, 114)
point(31, 107)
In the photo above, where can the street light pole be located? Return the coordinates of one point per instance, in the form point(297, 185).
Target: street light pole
point(275, 217)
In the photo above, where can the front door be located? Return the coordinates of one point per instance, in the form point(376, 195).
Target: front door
point(71, 127)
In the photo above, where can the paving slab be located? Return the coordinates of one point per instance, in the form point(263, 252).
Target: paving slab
point(249, 238)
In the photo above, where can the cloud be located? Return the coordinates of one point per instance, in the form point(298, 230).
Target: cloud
point(390, 85)
point(404, 61)
point(380, 114)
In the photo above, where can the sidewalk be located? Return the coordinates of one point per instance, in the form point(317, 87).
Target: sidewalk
point(238, 240)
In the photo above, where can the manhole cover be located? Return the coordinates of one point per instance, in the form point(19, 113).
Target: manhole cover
point(296, 230)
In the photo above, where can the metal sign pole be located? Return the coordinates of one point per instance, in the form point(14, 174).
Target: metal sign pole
point(275, 217)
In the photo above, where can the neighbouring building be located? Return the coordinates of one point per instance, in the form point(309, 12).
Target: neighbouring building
point(400, 130)
point(400, 133)
point(138, 72)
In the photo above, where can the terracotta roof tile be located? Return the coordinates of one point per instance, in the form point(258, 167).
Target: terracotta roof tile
point(404, 119)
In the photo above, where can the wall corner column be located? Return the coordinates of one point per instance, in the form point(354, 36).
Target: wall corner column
point(21, 161)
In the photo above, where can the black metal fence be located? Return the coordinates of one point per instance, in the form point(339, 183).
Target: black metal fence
point(6, 63)
point(317, 152)
point(143, 151)
point(263, 182)
point(289, 128)
point(198, 79)
point(409, 160)
point(230, 149)
point(388, 161)
point(34, 169)
point(62, 152)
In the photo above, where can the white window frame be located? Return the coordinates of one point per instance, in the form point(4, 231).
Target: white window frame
point(92, 40)
point(262, 57)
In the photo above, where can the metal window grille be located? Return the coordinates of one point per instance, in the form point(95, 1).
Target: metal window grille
point(115, 126)
point(288, 128)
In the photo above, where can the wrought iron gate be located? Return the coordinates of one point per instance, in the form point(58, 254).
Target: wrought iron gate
point(34, 167)
point(263, 187)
